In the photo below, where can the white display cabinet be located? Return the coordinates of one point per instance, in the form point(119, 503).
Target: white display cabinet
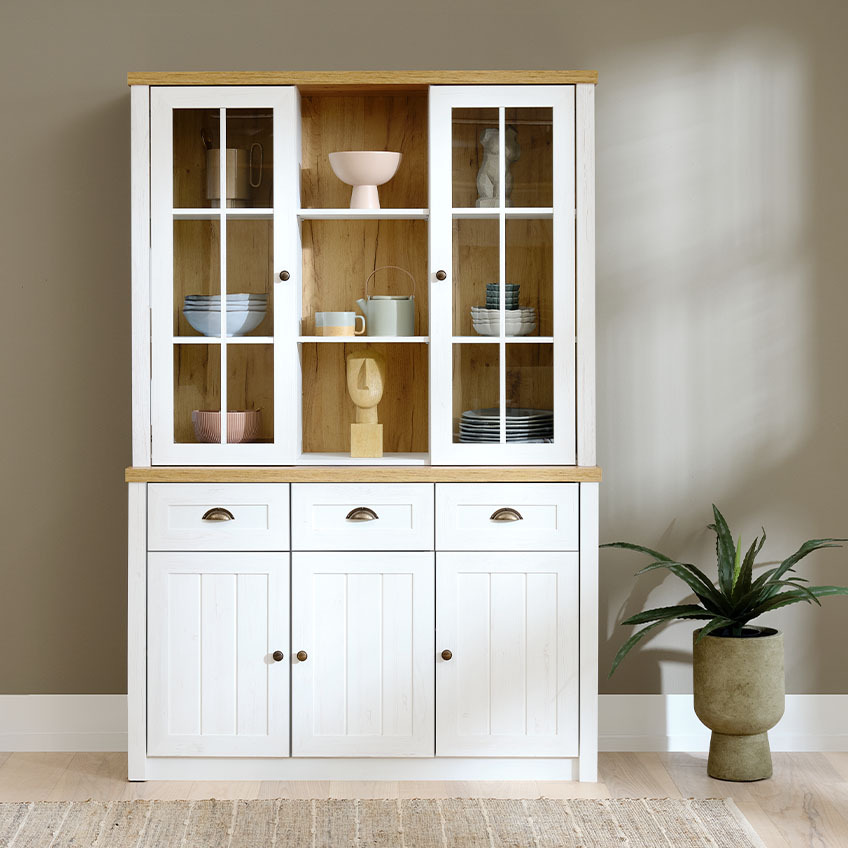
point(430, 613)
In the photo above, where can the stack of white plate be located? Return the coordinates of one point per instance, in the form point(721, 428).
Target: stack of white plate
point(245, 312)
point(519, 322)
point(522, 425)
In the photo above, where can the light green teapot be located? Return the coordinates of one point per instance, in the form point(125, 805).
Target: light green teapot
point(388, 315)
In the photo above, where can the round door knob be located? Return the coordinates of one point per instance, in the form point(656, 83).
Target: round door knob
point(277, 655)
point(441, 275)
point(302, 655)
point(284, 275)
point(446, 655)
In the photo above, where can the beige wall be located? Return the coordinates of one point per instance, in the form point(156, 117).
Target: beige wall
point(722, 287)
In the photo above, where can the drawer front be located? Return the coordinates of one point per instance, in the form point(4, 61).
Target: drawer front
point(362, 516)
point(474, 516)
point(259, 522)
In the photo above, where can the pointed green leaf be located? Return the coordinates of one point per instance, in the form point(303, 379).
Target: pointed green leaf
point(742, 584)
point(807, 548)
point(725, 552)
point(737, 563)
point(793, 597)
point(667, 613)
point(715, 624)
point(625, 648)
point(695, 579)
point(629, 546)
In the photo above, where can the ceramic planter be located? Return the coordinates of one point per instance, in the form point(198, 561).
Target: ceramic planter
point(739, 694)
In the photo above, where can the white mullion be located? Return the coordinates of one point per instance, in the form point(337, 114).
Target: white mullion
point(222, 234)
point(502, 267)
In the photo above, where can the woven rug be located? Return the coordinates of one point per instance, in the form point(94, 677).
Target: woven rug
point(448, 823)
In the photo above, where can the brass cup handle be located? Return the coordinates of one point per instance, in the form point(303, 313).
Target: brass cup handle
point(446, 655)
point(362, 513)
point(506, 513)
point(301, 656)
point(277, 656)
point(218, 513)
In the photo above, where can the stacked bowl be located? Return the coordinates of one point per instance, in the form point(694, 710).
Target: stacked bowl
point(493, 295)
point(245, 312)
point(518, 322)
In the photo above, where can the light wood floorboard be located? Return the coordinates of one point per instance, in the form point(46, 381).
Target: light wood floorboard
point(805, 804)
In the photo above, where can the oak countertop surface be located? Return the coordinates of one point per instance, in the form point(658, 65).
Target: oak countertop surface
point(366, 474)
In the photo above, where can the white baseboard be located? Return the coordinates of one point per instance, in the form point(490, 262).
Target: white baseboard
point(669, 723)
point(626, 722)
point(63, 722)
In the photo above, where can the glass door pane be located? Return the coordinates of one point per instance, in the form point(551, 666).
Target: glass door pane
point(476, 393)
point(223, 251)
point(529, 144)
point(529, 379)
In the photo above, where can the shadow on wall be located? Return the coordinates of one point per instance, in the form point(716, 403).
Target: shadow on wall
point(719, 334)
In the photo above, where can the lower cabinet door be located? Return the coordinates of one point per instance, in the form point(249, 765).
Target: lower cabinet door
point(362, 669)
point(509, 685)
point(214, 623)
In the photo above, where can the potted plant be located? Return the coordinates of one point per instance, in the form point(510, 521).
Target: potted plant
point(738, 678)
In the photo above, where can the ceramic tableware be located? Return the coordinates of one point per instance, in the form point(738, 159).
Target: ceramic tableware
point(388, 315)
point(338, 324)
point(365, 170)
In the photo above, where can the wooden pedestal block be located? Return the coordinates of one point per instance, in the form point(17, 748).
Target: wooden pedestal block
point(366, 440)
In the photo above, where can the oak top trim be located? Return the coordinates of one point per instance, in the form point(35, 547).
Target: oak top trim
point(352, 79)
point(366, 474)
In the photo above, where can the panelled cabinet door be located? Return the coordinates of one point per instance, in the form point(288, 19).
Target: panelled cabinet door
point(502, 275)
point(363, 685)
point(215, 687)
point(224, 269)
point(509, 685)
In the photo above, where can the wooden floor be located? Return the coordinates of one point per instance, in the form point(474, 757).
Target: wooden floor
point(804, 804)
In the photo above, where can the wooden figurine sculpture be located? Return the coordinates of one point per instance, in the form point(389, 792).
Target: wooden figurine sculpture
point(366, 378)
point(488, 180)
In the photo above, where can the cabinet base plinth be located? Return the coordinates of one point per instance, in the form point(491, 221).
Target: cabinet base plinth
point(366, 440)
point(359, 768)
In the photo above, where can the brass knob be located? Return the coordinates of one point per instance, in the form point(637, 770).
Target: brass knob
point(441, 275)
point(218, 513)
point(301, 656)
point(446, 655)
point(506, 513)
point(361, 513)
point(284, 275)
point(277, 655)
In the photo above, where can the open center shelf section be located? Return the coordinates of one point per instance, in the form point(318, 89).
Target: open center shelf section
point(334, 123)
point(340, 256)
point(328, 410)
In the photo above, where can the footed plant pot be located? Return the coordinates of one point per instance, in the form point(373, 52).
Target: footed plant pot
point(739, 695)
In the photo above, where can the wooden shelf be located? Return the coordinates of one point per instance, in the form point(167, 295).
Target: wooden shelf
point(541, 213)
point(498, 339)
point(181, 340)
point(363, 214)
point(245, 214)
point(367, 472)
point(365, 339)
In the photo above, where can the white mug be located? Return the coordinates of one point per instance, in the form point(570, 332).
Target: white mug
point(338, 324)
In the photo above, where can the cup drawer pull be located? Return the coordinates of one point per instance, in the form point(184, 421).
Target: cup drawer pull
point(218, 513)
point(362, 513)
point(506, 513)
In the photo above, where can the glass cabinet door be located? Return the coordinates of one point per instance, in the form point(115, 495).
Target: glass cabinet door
point(224, 199)
point(502, 230)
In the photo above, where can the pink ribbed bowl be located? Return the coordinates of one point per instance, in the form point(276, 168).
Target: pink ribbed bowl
point(242, 426)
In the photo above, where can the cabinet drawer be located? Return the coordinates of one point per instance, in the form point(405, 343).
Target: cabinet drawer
point(362, 516)
point(258, 517)
point(545, 516)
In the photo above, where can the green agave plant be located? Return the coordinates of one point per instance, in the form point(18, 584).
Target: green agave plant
point(738, 598)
